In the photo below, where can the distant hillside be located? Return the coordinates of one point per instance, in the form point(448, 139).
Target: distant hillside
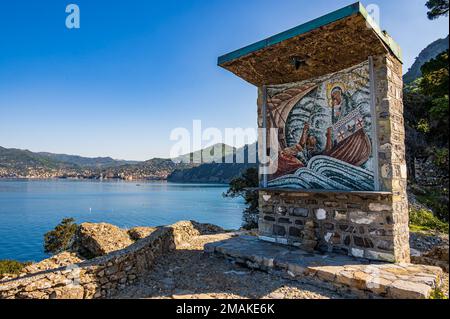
point(217, 172)
point(21, 159)
point(86, 162)
point(213, 153)
point(430, 52)
point(154, 169)
point(16, 163)
point(220, 173)
point(23, 163)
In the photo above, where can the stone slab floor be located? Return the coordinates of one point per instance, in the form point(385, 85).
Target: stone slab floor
point(197, 270)
point(190, 273)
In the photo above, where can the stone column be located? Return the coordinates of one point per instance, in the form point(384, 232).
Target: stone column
point(391, 139)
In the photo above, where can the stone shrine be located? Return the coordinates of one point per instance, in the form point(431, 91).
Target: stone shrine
point(331, 144)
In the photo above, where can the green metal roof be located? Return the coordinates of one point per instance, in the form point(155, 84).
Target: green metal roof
point(355, 8)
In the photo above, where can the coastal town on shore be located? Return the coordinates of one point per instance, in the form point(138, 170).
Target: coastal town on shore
point(119, 174)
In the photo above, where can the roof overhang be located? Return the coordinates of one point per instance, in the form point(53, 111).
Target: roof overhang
point(333, 42)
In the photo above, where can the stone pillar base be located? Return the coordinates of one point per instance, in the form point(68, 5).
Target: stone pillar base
point(358, 224)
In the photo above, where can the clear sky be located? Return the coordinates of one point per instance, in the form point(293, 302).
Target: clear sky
point(137, 69)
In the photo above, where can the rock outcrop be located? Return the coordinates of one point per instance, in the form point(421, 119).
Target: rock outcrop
point(188, 229)
point(138, 233)
point(120, 263)
point(94, 240)
point(437, 256)
point(430, 249)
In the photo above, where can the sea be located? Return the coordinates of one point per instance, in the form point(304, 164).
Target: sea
point(30, 208)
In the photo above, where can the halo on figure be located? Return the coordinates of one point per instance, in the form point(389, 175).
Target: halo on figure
point(332, 87)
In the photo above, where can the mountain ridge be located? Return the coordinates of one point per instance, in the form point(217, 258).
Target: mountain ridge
point(430, 52)
point(223, 171)
point(18, 163)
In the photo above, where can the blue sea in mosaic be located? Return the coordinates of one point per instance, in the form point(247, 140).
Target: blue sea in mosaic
point(28, 209)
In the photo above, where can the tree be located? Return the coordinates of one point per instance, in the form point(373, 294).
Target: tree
point(437, 8)
point(60, 238)
point(435, 76)
point(426, 121)
point(434, 84)
point(242, 187)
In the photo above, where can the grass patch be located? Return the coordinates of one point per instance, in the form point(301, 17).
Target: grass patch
point(437, 200)
point(12, 267)
point(424, 220)
point(438, 294)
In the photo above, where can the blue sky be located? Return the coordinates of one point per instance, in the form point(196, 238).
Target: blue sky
point(137, 69)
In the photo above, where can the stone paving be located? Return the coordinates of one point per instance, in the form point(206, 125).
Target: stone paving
point(365, 278)
point(190, 273)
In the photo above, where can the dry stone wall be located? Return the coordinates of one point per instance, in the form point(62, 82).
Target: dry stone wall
point(103, 276)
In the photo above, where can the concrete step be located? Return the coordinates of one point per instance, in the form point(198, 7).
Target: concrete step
point(366, 278)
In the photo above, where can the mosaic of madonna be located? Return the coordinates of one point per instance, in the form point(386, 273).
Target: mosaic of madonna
point(325, 132)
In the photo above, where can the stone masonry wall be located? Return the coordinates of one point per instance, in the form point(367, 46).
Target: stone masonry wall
point(391, 146)
point(100, 277)
point(355, 224)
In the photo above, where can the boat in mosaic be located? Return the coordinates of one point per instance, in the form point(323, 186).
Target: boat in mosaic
point(354, 149)
point(324, 120)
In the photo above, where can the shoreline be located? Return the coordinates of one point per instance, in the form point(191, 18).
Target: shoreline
point(106, 180)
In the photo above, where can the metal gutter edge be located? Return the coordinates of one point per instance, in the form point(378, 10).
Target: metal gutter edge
point(355, 8)
point(303, 28)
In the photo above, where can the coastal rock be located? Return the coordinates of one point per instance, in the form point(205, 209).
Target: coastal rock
point(430, 249)
point(207, 229)
point(95, 240)
point(438, 256)
point(138, 233)
point(439, 252)
point(69, 276)
point(184, 230)
point(60, 260)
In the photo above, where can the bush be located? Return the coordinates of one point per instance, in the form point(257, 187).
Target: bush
point(436, 199)
point(438, 294)
point(60, 238)
point(424, 220)
point(12, 267)
point(241, 187)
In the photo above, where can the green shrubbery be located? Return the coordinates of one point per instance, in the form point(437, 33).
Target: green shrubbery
point(424, 220)
point(427, 130)
point(435, 199)
point(243, 186)
point(12, 267)
point(55, 241)
point(438, 294)
point(60, 238)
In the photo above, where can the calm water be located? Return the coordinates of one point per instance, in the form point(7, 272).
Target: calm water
point(28, 209)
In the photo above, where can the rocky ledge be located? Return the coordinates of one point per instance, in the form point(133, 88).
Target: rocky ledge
point(109, 262)
point(430, 249)
point(115, 261)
